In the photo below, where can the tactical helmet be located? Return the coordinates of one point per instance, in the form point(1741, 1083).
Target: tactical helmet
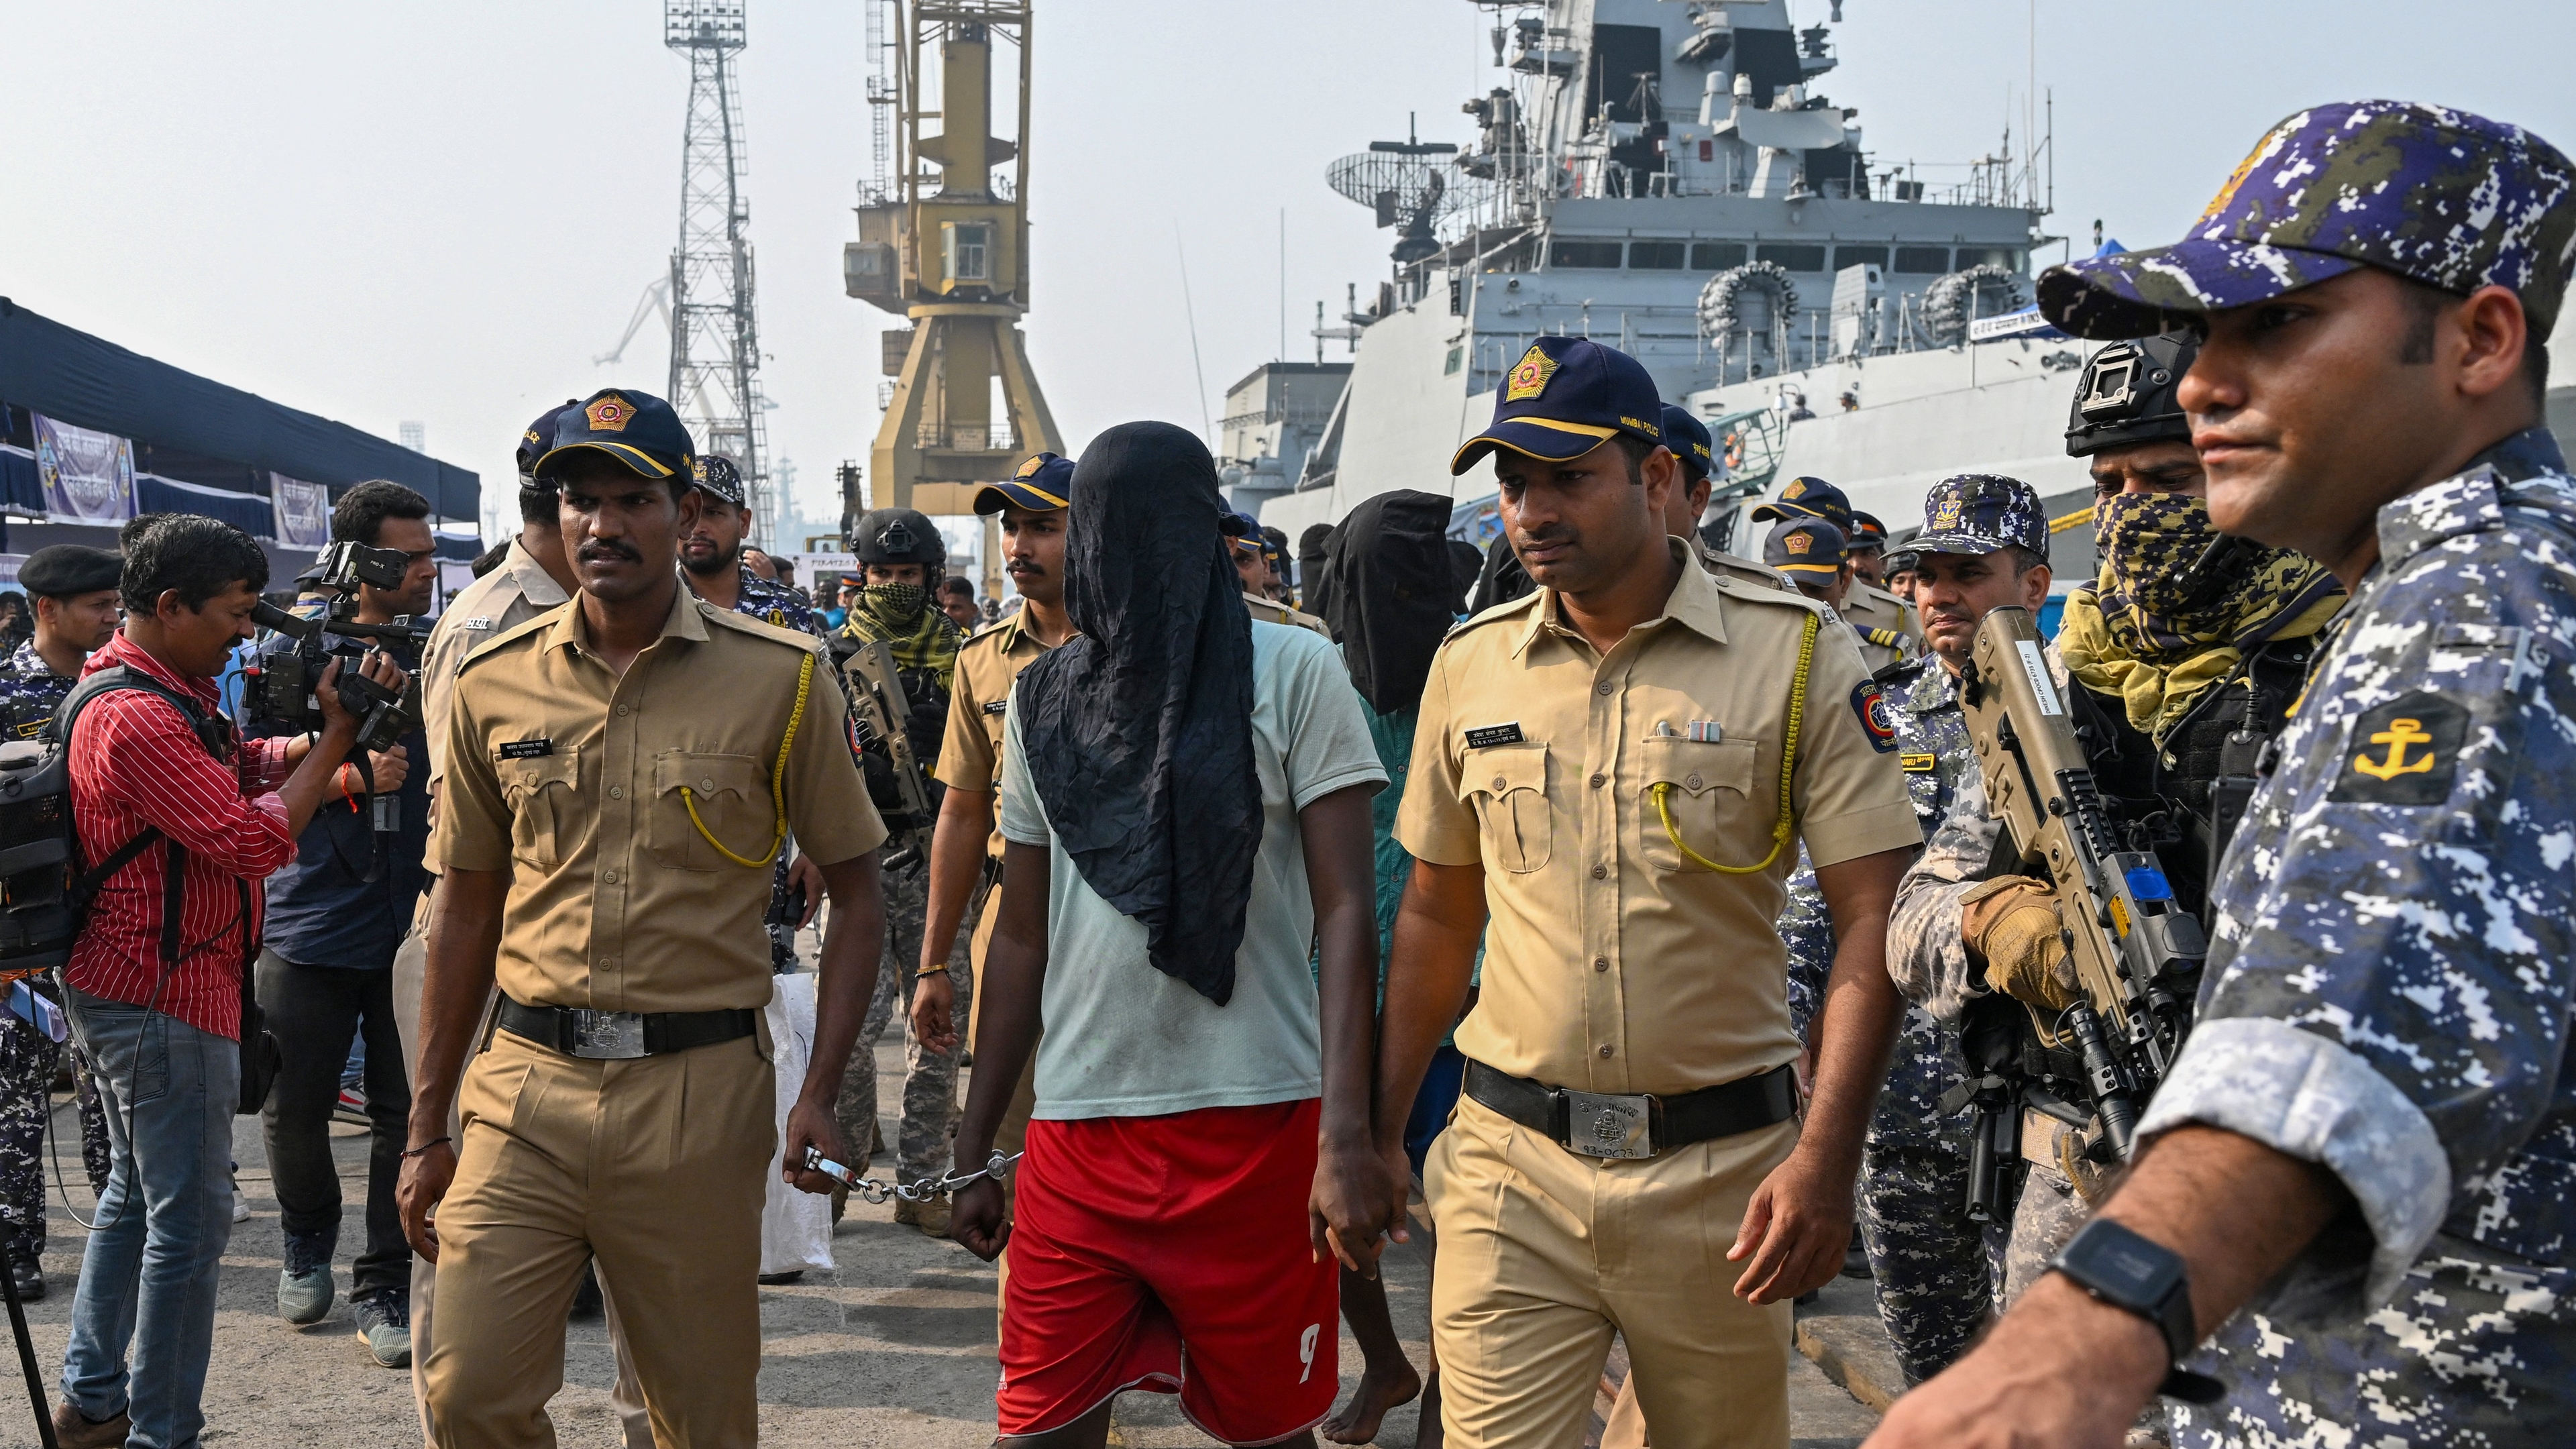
point(2126, 395)
point(899, 536)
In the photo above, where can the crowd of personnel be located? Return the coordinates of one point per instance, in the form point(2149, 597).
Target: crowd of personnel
point(1644, 935)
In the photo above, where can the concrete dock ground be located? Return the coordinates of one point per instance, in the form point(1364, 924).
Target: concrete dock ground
point(895, 1348)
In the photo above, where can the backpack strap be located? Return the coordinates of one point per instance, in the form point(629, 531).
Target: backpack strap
point(213, 732)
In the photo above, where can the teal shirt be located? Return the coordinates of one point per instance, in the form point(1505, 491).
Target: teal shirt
point(1393, 735)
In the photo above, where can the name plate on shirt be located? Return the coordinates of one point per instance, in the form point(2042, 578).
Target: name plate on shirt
point(526, 749)
point(997, 706)
point(1485, 736)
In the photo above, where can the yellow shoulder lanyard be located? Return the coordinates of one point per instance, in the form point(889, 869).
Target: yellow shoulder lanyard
point(777, 783)
point(1788, 769)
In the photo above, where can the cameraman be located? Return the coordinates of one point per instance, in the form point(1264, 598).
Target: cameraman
point(336, 917)
point(160, 1015)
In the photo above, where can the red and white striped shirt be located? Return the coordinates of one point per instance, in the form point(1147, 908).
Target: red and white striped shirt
point(136, 764)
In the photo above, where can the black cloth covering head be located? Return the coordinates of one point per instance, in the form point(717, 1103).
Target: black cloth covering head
point(1505, 578)
point(1313, 584)
point(1138, 730)
point(1393, 592)
point(1466, 561)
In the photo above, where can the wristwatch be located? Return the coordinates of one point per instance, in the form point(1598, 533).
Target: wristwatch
point(2129, 1272)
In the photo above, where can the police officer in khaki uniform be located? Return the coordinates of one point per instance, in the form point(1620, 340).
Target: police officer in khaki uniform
point(604, 840)
point(1687, 437)
point(1611, 772)
point(1252, 559)
point(1869, 606)
point(1817, 559)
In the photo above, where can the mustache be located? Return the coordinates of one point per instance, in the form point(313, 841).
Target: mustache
point(1017, 568)
point(608, 548)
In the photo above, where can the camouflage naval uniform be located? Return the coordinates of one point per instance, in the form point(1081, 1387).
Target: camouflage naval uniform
point(29, 692)
point(1936, 1269)
point(2389, 992)
point(777, 604)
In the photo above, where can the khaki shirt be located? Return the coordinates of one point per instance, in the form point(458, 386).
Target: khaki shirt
point(1271, 611)
point(1872, 607)
point(569, 777)
point(1879, 648)
point(1746, 569)
point(1613, 964)
point(518, 590)
point(970, 757)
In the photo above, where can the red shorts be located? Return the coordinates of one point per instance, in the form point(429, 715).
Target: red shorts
point(1171, 1254)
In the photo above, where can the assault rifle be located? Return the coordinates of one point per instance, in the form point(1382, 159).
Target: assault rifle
point(878, 712)
point(2137, 953)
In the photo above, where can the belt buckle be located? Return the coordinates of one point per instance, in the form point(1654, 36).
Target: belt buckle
point(607, 1035)
point(1601, 1125)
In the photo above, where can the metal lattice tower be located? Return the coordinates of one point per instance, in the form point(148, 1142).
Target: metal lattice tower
point(715, 334)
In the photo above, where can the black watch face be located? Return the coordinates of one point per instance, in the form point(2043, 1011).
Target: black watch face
point(2122, 1262)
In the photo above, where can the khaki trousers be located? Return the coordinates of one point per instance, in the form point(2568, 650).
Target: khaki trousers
point(653, 1166)
point(1544, 1255)
point(626, 1397)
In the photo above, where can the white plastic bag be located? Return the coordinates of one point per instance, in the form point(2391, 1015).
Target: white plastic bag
point(795, 1227)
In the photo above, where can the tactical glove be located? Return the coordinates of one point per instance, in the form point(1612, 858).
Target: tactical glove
point(2011, 926)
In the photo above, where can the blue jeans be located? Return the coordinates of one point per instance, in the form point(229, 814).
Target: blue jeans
point(148, 1277)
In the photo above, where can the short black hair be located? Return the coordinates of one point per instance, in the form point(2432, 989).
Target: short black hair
point(200, 557)
point(962, 587)
point(1636, 450)
point(2424, 304)
point(360, 515)
point(540, 503)
point(2023, 559)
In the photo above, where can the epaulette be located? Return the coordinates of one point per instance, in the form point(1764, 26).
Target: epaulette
point(1735, 588)
point(511, 635)
point(987, 630)
point(1503, 610)
point(759, 628)
point(1883, 638)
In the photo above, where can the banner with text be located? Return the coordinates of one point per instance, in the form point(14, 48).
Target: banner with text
point(88, 476)
point(303, 511)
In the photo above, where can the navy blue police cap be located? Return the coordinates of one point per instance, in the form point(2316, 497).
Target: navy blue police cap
point(1240, 526)
point(1805, 546)
point(1688, 437)
point(1564, 398)
point(1866, 532)
point(1809, 498)
point(540, 436)
point(1043, 484)
point(637, 429)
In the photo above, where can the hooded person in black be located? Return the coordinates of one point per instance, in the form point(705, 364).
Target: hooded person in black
point(1138, 730)
point(1390, 590)
point(1312, 585)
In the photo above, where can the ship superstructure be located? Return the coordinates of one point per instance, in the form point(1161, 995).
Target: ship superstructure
point(1673, 178)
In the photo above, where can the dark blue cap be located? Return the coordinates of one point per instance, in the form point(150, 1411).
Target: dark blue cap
point(1564, 398)
point(718, 478)
point(540, 436)
point(1043, 484)
point(1867, 531)
point(1688, 437)
point(1979, 513)
point(1239, 525)
point(1809, 498)
point(1805, 546)
point(635, 428)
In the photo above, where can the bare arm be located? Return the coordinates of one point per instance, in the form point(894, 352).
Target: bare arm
point(456, 984)
point(2063, 1369)
point(956, 860)
point(1015, 967)
point(1437, 929)
point(1349, 1209)
point(1798, 1224)
point(847, 977)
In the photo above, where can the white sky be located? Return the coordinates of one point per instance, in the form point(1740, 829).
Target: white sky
point(443, 212)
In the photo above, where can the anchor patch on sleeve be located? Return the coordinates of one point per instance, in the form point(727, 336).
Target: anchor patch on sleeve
point(2404, 752)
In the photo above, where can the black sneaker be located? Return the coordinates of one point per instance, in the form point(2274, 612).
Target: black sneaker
point(29, 1276)
point(384, 1325)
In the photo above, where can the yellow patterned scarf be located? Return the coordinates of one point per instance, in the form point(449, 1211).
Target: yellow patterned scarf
point(2127, 634)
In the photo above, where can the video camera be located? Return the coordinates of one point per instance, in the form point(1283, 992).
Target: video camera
point(279, 683)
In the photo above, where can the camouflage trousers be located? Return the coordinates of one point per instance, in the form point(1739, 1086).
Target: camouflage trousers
point(2048, 1214)
point(27, 1061)
point(926, 1123)
point(2476, 1351)
point(1937, 1269)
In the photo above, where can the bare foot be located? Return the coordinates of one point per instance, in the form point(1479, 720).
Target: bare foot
point(1382, 1387)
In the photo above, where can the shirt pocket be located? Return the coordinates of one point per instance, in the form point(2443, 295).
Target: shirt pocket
point(1507, 785)
point(540, 792)
point(1707, 788)
point(730, 794)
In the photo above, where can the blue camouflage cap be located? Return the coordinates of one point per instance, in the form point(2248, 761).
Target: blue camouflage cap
point(1564, 398)
point(716, 476)
point(1980, 513)
point(1043, 484)
point(1809, 498)
point(1688, 437)
point(1805, 546)
point(2444, 197)
point(637, 429)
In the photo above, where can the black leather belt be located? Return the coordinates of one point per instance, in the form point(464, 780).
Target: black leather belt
point(1597, 1124)
point(618, 1035)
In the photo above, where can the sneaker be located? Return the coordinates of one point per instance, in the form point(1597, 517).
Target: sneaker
point(75, 1432)
point(351, 1108)
point(241, 1205)
point(304, 1287)
point(384, 1326)
point(29, 1276)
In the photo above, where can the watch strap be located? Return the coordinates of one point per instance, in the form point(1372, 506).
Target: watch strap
point(2113, 1264)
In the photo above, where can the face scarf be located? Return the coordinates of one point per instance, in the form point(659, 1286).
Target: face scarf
point(921, 637)
point(1138, 730)
point(2133, 633)
point(1393, 585)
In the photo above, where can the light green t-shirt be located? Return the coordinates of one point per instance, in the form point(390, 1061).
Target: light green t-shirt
point(1125, 1040)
